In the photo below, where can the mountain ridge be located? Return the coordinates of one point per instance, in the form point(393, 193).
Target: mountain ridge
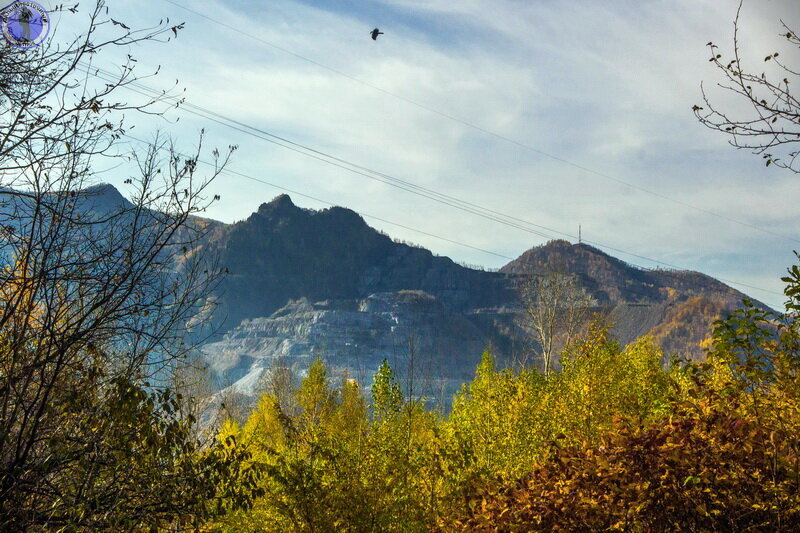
point(309, 283)
point(334, 261)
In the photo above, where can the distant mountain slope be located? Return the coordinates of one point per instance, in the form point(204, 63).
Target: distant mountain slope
point(607, 278)
point(333, 262)
point(613, 280)
point(677, 307)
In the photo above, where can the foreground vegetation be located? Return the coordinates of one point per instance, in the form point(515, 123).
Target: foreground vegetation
point(610, 441)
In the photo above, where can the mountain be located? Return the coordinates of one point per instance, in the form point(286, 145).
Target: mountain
point(307, 283)
point(282, 252)
point(677, 307)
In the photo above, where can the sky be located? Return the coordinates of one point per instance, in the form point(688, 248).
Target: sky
point(578, 113)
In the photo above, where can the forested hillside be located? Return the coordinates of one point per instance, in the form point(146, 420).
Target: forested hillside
point(611, 441)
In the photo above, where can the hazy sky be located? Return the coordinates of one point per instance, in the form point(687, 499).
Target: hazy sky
point(607, 86)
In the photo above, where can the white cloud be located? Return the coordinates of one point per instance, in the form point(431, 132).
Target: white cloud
point(607, 85)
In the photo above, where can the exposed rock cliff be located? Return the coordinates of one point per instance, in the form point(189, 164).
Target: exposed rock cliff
point(434, 349)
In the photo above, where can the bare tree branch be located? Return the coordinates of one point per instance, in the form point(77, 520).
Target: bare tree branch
point(770, 127)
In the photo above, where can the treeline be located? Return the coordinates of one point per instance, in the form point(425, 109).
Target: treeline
point(609, 441)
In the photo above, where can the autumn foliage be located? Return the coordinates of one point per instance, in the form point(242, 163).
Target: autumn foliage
point(723, 455)
point(610, 441)
point(707, 470)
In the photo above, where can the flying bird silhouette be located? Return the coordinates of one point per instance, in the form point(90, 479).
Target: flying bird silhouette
point(375, 34)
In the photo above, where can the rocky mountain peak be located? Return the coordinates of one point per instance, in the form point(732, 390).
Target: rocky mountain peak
point(344, 215)
point(280, 205)
point(103, 197)
point(561, 255)
point(104, 189)
point(334, 219)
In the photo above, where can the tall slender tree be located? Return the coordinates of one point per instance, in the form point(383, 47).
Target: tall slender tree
point(555, 306)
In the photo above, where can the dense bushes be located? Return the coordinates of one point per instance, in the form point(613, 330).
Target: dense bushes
point(703, 470)
point(330, 467)
point(722, 455)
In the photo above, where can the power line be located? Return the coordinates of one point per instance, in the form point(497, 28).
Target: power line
point(231, 172)
point(433, 235)
point(483, 130)
point(344, 164)
point(399, 183)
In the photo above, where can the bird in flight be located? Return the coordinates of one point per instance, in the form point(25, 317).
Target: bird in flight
point(375, 34)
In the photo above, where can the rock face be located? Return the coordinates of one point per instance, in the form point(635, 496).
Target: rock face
point(434, 349)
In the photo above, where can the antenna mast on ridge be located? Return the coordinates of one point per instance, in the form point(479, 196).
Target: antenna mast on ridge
point(579, 234)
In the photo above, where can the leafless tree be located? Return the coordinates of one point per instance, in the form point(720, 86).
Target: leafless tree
point(93, 302)
point(191, 379)
point(554, 308)
point(280, 382)
point(232, 404)
point(769, 121)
